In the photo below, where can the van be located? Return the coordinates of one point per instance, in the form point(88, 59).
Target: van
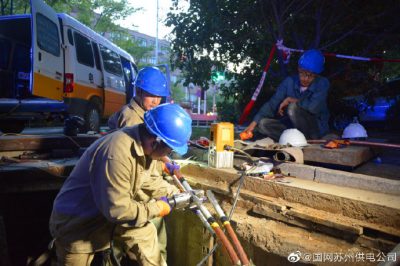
point(51, 65)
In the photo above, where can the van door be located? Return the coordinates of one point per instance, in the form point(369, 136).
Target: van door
point(129, 76)
point(48, 66)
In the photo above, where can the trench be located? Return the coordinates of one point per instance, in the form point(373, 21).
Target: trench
point(324, 216)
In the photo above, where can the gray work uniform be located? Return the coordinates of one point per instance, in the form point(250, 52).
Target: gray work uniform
point(100, 193)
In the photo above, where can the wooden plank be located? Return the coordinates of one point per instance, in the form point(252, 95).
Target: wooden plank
point(350, 156)
point(45, 142)
point(35, 175)
point(308, 221)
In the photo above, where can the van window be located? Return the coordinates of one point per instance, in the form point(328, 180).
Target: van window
point(47, 35)
point(84, 53)
point(4, 53)
point(70, 38)
point(96, 55)
point(111, 61)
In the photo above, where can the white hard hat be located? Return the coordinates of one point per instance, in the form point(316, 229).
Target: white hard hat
point(354, 130)
point(293, 137)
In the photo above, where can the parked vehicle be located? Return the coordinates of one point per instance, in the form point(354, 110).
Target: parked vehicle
point(53, 65)
point(374, 108)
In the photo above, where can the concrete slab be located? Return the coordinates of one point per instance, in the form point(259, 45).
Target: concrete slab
point(372, 207)
point(350, 156)
point(342, 178)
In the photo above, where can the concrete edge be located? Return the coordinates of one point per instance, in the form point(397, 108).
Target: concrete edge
point(342, 178)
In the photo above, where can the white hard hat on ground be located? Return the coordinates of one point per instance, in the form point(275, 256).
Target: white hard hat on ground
point(354, 130)
point(293, 137)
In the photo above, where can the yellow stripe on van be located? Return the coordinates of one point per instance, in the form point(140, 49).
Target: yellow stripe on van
point(114, 101)
point(47, 87)
point(84, 92)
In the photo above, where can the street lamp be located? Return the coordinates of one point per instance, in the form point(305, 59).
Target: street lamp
point(156, 34)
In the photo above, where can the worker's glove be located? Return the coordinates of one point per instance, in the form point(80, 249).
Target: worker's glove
point(171, 167)
point(246, 135)
point(164, 206)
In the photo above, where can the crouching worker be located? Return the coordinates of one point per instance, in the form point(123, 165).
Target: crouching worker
point(299, 102)
point(150, 86)
point(97, 201)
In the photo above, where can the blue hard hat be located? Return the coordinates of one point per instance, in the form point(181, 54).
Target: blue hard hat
point(153, 81)
point(312, 60)
point(171, 124)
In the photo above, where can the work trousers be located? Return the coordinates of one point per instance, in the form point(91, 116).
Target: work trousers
point(296, 117)
point(139, 244)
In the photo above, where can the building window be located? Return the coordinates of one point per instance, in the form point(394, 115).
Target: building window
point(152, 60)
point(142, 42)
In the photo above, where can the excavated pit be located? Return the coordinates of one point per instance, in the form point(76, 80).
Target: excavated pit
point(331, 217)
point(275, 219)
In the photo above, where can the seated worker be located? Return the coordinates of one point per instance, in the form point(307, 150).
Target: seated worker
point(97, 201)
point(150, 87)
point(299, 102)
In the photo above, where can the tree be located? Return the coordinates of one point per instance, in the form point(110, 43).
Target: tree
point(97, 14)
point(132, 46)
point(241, 33)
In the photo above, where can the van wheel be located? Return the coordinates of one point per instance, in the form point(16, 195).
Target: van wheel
point(12, 127)
point(92, 118)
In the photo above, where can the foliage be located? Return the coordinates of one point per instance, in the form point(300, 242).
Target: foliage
point(241, 33)
point(178, 95)
point(227, 111)
point(132, 46)
point(96, 14)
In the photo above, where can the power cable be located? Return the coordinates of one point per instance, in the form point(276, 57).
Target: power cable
point(241, 181)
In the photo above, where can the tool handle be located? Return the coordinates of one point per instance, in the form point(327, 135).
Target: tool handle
point(178, 183)
point(215, 204)
point(236, 243)
point(226, 244)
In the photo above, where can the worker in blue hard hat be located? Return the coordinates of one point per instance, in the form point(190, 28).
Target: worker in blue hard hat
point(150, 87)
point(97, 204)
point(299, 102)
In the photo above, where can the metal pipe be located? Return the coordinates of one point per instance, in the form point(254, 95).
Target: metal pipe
point(226, 223)
point(359, 142)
